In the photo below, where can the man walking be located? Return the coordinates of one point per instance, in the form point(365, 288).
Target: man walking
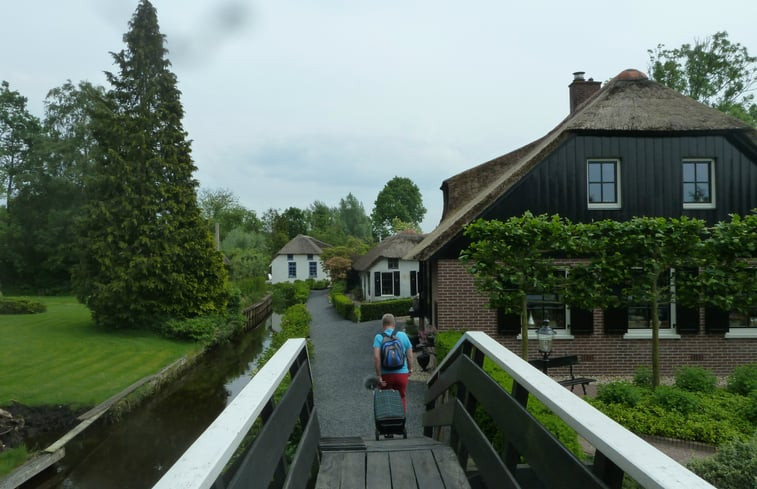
point(388, 345)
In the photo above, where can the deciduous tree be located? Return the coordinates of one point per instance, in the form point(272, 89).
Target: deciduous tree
point(146, 251)
point(401, 199)
point(713, 70)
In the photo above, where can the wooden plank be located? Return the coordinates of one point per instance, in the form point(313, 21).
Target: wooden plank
point(450, 470)
point(377, 475)
point(30, 469)
point(426, 472)
point(399, 444)
point(491, 466)
point(61, 442)
point(304, 457)
point(353, 470)
point(330, 471)
point(401, 467)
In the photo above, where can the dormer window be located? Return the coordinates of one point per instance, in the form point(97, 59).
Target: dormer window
point(603, 184)
point(394, 263)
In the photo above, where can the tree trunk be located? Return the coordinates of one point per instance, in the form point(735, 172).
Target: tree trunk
point(524, 327)
point(655, 338)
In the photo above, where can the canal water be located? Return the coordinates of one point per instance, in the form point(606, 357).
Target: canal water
point(137, 450)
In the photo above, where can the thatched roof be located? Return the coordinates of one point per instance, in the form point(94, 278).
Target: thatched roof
point(629, 103)
point(395, 246)
point(303, 245)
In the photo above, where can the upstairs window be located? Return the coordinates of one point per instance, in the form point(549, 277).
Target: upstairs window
point(394, 263)
point(310, 256)
point(290, 257)
point(603, 184)
point(698, 184)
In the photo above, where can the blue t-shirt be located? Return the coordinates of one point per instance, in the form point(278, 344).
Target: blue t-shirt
point(406, 345)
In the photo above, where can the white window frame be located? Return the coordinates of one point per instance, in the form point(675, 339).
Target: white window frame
point(669, 333)
point(560, 333)
point(700, 205)
point(391, 281)
point(289, 269)
point(604, 205)
point(313, 269)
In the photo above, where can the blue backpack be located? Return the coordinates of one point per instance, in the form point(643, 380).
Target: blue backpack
point(392, 352)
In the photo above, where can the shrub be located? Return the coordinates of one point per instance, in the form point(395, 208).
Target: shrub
point(21, 306)
point(695, 379)
point(734, 466)
point(345, 307)
point(743, 379)
point(643, 377)
point(619, 393)
point(676, 399)
point(205, 329)
point(295, 323)
point(317, 284)
point(750, 410)
point(445, 341)
point(286, 294)
point(370, 311)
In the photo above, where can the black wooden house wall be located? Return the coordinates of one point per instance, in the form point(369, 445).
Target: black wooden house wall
point(650, 180)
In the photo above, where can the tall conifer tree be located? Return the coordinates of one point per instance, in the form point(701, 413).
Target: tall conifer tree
point(146, 252)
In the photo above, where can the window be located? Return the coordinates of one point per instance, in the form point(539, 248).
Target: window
point(394, 263)
point(292, 269)
point(313, 269)
point(290, 257)
point(603, 184)
point(698, 179)
point(310, 256)
point(546, 306)
point(386, 283)
point(639, 315)
point(550, 307)
point(743, 320)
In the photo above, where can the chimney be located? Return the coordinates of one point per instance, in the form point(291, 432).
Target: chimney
point(581, 90)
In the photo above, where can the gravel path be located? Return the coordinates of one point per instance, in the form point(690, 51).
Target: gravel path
point(343, 360)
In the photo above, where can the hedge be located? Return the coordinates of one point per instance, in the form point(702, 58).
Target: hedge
point(345, 307)
point(21, 306)
point(370, 311)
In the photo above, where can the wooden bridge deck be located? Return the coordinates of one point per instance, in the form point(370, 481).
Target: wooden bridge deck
point(417, 463)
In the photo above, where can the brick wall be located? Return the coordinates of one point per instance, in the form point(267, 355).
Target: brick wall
point(460, 306)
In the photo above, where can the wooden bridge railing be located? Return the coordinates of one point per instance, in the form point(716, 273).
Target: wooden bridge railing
point(248, 443)
point(532, 457)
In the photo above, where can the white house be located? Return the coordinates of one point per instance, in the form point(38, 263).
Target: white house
point(299, 259)
point(383, 272)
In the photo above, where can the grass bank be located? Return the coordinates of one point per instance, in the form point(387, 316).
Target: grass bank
point(61, 357)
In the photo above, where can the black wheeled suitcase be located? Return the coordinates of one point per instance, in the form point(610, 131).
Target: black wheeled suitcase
point(389, 413)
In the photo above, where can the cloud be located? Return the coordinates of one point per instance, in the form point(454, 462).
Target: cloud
point(218, 26)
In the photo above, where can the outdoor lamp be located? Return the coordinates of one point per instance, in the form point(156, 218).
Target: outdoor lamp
point(545, 336)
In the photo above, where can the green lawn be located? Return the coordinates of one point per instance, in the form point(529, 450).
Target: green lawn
point(60, 357)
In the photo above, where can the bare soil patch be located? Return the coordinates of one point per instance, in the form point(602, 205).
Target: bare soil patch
point(35, 425)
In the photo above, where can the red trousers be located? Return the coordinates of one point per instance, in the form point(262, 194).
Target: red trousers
point(398, 382)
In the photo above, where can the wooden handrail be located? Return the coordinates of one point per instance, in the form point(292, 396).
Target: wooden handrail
point(201, 466)
point(618, 450)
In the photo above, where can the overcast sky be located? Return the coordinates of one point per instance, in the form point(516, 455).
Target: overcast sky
point(292, 101)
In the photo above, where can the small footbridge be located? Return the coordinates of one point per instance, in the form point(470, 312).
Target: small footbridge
point(269, 436)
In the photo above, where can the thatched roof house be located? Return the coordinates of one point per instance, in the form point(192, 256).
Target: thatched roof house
point(396, 246)
point(630, 104)
point(630, 148)
point(299, 259)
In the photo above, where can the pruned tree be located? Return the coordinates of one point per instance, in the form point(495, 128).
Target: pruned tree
point(713, 70)
point(399, 199)
point(146, 251)
point(634, 263)
point(729, 276)
point(511, 259)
